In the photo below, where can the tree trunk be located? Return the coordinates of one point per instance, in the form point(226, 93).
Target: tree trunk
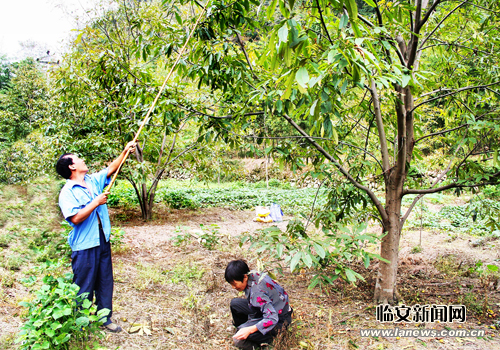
point(385, 288)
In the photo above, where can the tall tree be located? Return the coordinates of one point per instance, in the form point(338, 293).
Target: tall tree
point(369, 93)
point(24, 103)
point(108, 82)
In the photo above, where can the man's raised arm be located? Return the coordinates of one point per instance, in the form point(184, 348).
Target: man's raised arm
point(113, 167)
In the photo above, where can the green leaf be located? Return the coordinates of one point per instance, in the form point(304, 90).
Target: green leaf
point(492, 268)
point(306, 258)
point(55, 325)
point(271, 9)
point(302, 77)
point(355, 29)
point(371, 3)
point(366, 260)
point(82, 321)
point(343, 21)
point(405, 80)
point(355, 73)
point(283, 33)
point(350, 274)
point(352, 9)
point(289, 84)
point(335, 136)
point(386, 45)
point(86, 304)
point(284, 11)
point(295, 261)
point(50, 332)
point(178, 18)
point(312, 111)
point(319, 250)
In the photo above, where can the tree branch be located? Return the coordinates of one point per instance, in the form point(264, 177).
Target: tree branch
point(427, 15)
point(453, 93)
point(453, 185)
point(415, 201)
point(380, 126)
point(242, 45)
point(323, 22)
point(441, 132)
point(441, 22)
point(328, 156)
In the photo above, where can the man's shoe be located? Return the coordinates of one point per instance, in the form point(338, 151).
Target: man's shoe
point(112, 327)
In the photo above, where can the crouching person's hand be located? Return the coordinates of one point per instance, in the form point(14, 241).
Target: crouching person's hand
point(243, 333)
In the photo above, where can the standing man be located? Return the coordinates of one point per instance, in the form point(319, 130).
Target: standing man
point(83, 205)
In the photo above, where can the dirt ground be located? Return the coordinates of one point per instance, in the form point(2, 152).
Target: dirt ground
point(173, 296)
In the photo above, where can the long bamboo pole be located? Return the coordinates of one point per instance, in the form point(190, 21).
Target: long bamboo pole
point(157, 97)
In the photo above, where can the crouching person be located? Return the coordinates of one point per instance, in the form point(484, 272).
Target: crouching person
point(264, 311)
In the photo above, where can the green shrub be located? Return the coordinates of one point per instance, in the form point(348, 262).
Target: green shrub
point(116, 238)
point(58, 318)
point(177, 199)
point(331, 255)
point(123, 194)
point(492, 192)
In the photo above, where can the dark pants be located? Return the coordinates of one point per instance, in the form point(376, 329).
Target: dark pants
point(240, 311)
point(93, 271)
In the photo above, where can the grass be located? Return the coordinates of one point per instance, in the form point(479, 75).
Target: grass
point(186, 273)
point(148, 276)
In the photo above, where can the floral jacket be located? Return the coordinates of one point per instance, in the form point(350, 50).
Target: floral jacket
point(268, 299)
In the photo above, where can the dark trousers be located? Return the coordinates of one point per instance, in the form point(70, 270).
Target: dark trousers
point(240, 311)
point(93, 272)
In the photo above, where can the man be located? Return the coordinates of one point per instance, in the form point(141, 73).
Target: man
point(83, 205)
point(263, 312)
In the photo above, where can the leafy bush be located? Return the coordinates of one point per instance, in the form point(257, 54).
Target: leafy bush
point(57, 317)
point(209, 238)
point(330, 255)
point(492, 192)
point(117, 243)
point(123, 194)
point(178, 199)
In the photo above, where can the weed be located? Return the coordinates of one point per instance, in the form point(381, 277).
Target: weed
point(182, 237)
point(209, 238)
point(117, 242)
point(58, 318)
point(191, 301)
point(416, 249)
point(148, 275)
point(236, 195)
point(13, 262)
point(186, 274)
point(477, 306)
point(177, 199)
point(5, 240)
point(451, 266)
point(6, 279)
point(286, 338)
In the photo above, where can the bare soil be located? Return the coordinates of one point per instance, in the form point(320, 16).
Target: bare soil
point(177, 297)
